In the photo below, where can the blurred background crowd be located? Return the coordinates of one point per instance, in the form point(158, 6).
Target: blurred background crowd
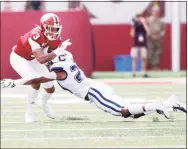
point(125, 36)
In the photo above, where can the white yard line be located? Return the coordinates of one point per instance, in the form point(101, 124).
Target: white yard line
point(57, 110)
point(131, 99)
point(61, 110)
point(53, 101)
point(17, 95)
point(65, 95)
point(41, 122)
point(75, 100)
point(6, 123)
point(61, 103)
point(85, 129)
point(89, 138)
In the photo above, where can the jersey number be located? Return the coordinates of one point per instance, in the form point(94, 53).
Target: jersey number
point(36, 36)
point(78, 76)
point(62, 57)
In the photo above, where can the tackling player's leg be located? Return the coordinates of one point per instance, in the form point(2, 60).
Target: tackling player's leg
point(173, 102)
point(115, 106)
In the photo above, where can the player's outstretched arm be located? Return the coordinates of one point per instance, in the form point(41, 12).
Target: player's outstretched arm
point(43, 58)
point(9, 83)
point(46, 57)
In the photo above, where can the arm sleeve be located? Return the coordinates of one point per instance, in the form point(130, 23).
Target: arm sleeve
point(34, 45)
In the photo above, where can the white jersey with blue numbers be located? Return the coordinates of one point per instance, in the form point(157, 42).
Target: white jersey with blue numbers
point(76, 82)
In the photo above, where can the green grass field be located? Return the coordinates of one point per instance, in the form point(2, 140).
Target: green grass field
point(81, 124)
point(128, 75)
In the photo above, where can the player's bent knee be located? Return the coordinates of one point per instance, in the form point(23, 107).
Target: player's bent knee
point(36, 86)
point(50, 90)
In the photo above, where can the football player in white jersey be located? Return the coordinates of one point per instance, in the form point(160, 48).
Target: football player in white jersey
point(74, 80)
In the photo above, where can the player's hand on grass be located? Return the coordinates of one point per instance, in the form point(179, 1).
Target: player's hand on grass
point(7, 83)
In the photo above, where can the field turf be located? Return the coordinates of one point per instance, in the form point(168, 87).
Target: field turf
point(81, 124)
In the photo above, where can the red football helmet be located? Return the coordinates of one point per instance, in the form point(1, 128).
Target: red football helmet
point(51, 26)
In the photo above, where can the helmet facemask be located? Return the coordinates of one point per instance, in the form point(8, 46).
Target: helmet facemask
point(52, 32)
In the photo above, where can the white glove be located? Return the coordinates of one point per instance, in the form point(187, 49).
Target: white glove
point(66, 43)
point(7, 83)
point(63, 46)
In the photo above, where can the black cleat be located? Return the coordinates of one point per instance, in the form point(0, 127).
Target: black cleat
point(176, 104)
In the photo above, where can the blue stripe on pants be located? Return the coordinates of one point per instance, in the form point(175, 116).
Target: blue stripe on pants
point(103, 103)
point(106, 98)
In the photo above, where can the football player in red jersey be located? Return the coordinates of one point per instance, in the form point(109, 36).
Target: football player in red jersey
point(29, 56)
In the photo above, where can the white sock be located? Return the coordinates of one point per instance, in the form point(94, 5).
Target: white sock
point(149, 112)
point(135, 108)
point(45, 97)
point(31, 98)
point(150, 107)
point(138, 109)
point(166, 105)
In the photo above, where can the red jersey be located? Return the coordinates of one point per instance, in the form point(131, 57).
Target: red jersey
point(24, 49)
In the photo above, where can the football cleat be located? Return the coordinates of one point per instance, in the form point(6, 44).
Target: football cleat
point(176, 104)
point(29, 117)
point(46, 108)
point(7, 83)
point(161, 109)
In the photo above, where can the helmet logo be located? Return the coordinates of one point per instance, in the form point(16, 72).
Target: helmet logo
point(44, 18)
